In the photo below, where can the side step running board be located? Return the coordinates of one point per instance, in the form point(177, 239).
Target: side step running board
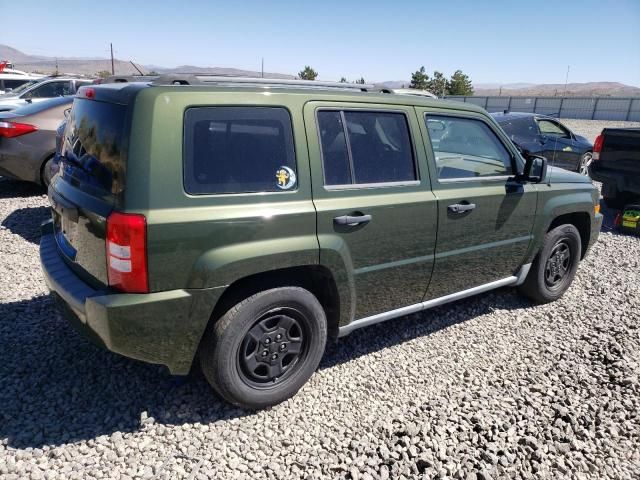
point(401, 312)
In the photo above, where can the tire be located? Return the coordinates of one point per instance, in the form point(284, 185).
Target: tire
point(552, 271)
point(232, 355)
point(585, 161)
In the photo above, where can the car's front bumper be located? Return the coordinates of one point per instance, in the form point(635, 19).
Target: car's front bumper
point(162, 327)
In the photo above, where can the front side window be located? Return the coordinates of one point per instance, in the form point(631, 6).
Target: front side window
point(552, 129)
point(238, 150)
point(51, 89)
point(467, 148)
point(365, 147)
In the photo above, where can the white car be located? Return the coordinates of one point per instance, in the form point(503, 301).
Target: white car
point(414, 91)
point(11, 79)
point(47, 87)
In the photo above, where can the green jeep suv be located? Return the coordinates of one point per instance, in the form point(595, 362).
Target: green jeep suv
point(245, 223)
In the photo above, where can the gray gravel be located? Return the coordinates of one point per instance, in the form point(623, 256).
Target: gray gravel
point(592, 128)
point(490, 387)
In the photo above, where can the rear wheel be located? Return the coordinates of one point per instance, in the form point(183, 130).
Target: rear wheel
point(555, 266)
point(265, 348)
point(585, 161)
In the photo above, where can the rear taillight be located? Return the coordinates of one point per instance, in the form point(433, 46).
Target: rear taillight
point(597, 147)
point(127, 252)
point(14, 129)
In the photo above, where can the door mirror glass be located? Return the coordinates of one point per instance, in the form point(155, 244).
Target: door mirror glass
point(535, 168)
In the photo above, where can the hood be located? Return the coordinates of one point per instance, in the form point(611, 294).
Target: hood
point(560, 175)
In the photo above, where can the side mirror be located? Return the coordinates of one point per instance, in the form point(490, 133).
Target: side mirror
point(535, 169)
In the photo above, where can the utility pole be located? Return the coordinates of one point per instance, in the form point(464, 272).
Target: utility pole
point(262, 68)
point(113, 68)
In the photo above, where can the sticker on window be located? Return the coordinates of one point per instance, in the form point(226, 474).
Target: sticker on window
point(286, 178)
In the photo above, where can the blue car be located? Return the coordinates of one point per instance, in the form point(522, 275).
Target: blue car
point(545, 136)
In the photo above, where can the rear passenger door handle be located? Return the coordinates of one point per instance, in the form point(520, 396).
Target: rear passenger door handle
point(352, 219)
point(461, 207)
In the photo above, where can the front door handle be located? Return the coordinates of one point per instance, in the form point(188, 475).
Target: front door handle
point(352, 220)
point(461, 207)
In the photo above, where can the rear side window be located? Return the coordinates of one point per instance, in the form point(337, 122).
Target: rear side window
point(238, 150)
point(364, 147)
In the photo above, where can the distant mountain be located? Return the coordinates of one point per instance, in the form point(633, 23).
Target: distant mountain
point(91, 66)
point(589, 89)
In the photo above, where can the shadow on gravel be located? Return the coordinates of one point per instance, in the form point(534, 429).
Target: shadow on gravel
point(26, 222)
point(16, 189)
point(57, 387)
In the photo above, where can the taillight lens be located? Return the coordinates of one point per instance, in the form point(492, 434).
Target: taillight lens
point(127, 252)
point(597, 147)
point(14, 129)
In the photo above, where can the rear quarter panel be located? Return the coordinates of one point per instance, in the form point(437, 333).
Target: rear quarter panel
point(202, 241)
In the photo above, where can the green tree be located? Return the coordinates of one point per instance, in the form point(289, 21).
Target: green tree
point(419, 79)
point(343, 80)
point(460, 84)
point(361, 81)
point(103, 74)
point(308, 73)
point(438, 85)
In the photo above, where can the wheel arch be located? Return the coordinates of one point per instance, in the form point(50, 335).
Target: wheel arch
point(582, 222)
point(315, 278)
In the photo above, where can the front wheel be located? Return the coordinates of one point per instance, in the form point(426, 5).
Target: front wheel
point(264, 349)
point(555, 266)
point(585, 161)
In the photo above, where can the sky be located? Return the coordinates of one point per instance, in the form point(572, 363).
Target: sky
point(496, 41)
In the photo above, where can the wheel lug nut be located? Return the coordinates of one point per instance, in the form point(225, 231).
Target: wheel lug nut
point(267, 341)
point(283, 346)
point(265, 353)
point(278, 337)
point(274, 356)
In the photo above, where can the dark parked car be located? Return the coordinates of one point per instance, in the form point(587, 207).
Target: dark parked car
point(546, 136)
point(28, 138)
point(616, 163)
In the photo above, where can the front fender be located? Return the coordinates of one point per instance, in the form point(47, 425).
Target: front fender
point(555, 201)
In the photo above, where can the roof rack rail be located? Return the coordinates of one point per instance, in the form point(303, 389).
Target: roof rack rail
point(205, 79)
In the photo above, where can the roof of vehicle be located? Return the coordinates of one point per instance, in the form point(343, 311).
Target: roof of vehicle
point(125, 91)
point(506, 115)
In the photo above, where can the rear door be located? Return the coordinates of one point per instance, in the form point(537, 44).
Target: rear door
point(374, 205)
point(485, 217)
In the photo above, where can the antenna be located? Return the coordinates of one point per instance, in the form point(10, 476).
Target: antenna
point(555, 144)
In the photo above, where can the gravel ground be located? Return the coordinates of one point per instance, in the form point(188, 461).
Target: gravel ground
point(592, 128)
point(490, 387)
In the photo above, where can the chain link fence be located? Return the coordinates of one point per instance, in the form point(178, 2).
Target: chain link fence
point(589, 108)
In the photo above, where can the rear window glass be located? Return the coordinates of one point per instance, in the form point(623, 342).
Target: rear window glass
point(365, 147)
point(94, 151)
point(238, 150)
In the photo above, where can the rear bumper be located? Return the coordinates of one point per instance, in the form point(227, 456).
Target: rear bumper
point(162, 328)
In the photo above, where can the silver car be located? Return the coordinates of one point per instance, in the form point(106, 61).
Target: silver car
point(49, 87)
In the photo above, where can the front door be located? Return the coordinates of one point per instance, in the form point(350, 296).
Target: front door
point(485, 217)
point(375, 209)
point(558, 144)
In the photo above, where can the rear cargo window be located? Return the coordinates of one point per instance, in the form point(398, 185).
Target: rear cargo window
point(238, 150)
point(94, 151)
